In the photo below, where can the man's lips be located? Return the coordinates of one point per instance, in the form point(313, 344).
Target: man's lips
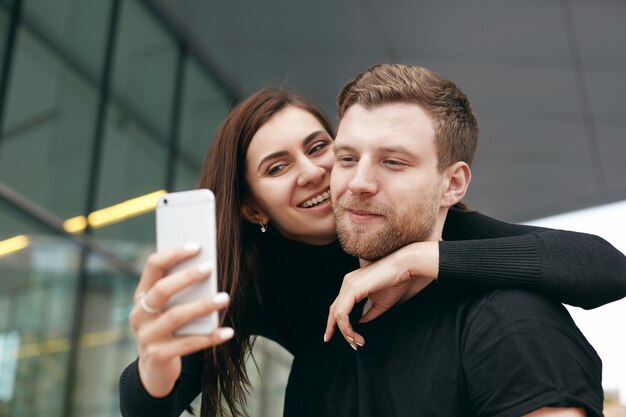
point(362, 216)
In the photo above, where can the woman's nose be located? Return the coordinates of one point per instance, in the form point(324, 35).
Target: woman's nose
point(310, 173)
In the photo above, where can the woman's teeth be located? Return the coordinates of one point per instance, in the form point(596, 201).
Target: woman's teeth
point(317, 200)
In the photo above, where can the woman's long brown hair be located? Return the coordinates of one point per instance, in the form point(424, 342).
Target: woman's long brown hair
point(225, 381)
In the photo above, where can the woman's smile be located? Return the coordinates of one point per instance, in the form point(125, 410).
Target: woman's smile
point(316, 200)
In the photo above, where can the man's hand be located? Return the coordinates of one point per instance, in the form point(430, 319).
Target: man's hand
point(386, 282)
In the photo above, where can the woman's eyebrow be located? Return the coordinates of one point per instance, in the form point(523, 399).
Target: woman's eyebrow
point(278, 154)
point(312, 136)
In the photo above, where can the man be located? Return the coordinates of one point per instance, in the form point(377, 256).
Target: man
point(404, 146)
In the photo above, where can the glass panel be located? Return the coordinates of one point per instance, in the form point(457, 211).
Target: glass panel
point(136, 139)
point(204, 107)
point(133, 165)
point(144, 69)
point(39, 272)
point(48, 129)
point(133, 161)
point(107, 345)
point(185, 175)
point(78, 28)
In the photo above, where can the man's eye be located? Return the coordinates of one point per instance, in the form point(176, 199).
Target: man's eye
point(346, 159)
point(393, 163)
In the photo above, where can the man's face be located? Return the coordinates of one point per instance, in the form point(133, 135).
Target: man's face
point(385, 185)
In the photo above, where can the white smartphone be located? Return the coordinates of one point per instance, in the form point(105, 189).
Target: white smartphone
point(185, 217)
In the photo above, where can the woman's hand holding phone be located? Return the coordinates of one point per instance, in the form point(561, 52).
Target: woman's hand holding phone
point(160, 351)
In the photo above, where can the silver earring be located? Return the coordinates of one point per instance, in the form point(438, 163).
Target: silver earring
point(263, 227)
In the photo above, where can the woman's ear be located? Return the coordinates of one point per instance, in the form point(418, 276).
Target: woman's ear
point(252, 213)
point(459, 176)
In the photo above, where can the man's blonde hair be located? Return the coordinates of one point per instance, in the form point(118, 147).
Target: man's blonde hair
point(454, 122)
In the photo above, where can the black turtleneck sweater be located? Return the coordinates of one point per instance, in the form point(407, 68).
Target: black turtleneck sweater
point(299, 282)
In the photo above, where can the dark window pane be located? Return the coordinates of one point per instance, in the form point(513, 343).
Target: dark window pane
point(144, 68)
point(185, 176)
point(136, 141)
point(204, 107)
point(48, 129)
point(76, 28)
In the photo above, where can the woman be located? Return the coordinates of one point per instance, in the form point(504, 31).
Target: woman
point(280, 262)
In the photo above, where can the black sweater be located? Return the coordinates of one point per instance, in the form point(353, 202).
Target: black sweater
point(301, 281)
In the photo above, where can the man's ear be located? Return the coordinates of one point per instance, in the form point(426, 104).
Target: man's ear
point(252, 213)
point(458, 177)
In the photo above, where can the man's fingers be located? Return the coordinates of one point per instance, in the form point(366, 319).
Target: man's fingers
point(159, 263)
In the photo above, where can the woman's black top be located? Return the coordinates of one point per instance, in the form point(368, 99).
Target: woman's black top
point(300, 281)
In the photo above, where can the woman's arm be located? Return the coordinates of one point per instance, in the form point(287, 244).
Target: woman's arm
point(135, 401)
point(574, 268)
point(481, 252)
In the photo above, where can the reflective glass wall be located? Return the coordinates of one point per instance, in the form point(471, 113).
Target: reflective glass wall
point(100, 104)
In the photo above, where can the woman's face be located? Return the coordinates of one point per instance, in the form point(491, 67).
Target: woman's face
point(288, 168)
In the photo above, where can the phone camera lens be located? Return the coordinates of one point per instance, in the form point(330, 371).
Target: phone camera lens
point(165, 201)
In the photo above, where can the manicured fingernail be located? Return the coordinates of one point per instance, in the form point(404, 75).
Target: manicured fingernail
point(358, 343)
point(351, 340)
point(192, 247)
point(353, 346)
point(325, 340)
point(226, 333)
point(220, 298)
point(205, 267)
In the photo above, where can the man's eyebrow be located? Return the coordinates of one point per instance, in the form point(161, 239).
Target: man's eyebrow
point(384, 149)
point(342, 147)
point(305, 142)
point(396, 149)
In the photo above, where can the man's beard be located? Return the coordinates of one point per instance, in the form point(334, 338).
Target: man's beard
point(415, 224)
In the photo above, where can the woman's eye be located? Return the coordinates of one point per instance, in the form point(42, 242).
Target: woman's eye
point(318, 147)
point(275, 169)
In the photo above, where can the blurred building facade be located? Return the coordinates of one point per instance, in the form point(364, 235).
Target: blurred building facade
point(102, 106)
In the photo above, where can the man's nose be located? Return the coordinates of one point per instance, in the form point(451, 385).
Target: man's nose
point(364, 180)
